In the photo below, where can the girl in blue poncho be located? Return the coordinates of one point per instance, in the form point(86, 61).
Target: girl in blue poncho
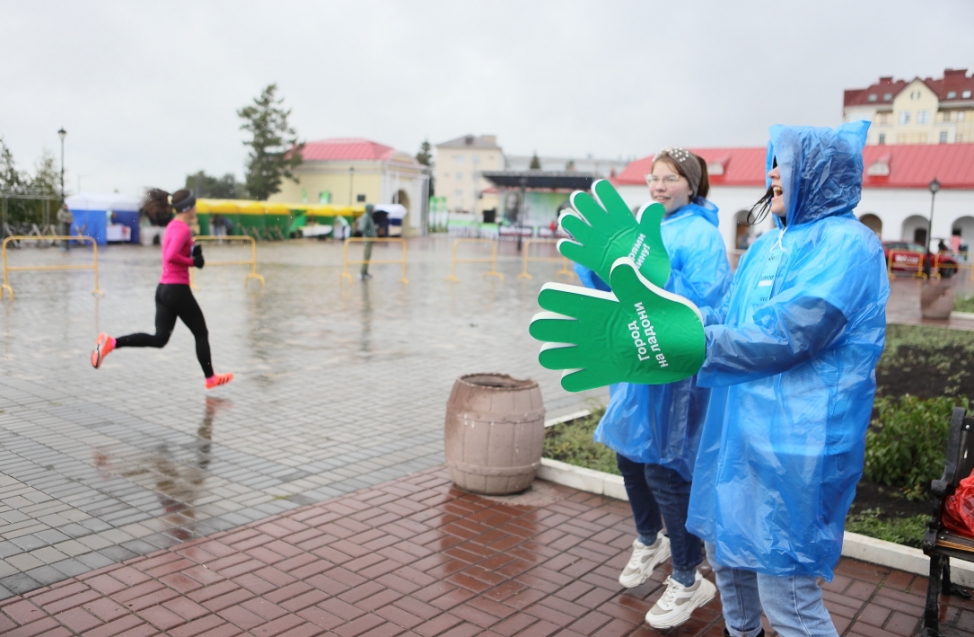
point(654, 429)
point(791, 356)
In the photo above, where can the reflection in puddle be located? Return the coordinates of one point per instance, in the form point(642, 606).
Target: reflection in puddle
point(176, 472)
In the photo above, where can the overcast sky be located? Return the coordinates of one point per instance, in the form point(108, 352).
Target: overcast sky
point(148, 92)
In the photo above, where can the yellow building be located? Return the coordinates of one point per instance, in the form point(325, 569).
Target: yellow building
point(459, 164)
point(919, 111)
point(357, 171)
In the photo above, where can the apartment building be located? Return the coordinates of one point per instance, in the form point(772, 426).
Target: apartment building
point(459, 164)
point(917, 111)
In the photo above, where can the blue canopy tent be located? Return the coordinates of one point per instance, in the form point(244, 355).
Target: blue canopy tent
point(94, 212)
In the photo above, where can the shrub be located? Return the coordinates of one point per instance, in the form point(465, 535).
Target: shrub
point(965, 304)
point(572, 442)
point(906, 531)
point(907, 444)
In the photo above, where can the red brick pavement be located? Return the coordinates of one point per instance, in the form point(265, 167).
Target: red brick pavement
point(418, 557)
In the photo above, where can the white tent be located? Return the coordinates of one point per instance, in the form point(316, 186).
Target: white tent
point(103, 201)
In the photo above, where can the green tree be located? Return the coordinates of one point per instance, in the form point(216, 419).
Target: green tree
point(535, 162)
point(274, 147)
point(11, 179)
point(425, 157)
point(47, 176)
point(32, 190)
point(212, 187)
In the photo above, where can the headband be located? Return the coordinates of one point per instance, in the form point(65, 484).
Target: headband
point(689, 166)
point(183, 204)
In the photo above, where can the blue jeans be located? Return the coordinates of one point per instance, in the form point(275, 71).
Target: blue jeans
point(657, 494)
point(792, 603)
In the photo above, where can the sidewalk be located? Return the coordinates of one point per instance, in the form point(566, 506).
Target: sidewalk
point(130, 500)
point(415, 556)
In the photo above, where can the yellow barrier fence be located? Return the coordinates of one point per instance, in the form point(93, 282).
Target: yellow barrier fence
point(905, 258)
point(492, 260)
point(252, 262)
point(6, 268)
point(528, 258)
point(347, 262)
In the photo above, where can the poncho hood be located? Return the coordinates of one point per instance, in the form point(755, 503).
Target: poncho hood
point(821, 169)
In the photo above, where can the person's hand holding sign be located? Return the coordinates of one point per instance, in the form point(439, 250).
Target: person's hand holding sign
point(640, 334)
point(603, 229)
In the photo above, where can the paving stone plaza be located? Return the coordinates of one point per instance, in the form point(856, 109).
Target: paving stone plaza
point(308, 497)
point(338, 387)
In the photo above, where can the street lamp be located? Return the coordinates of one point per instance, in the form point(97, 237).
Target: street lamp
point(351, 180)
point(520, 211)
point(927, 258)
point(62, 134)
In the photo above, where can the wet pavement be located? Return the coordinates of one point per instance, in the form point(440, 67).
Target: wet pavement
point(417, 557)
point(339, 388)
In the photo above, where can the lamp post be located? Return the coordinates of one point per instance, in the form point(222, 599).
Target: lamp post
point(351, 180)
point(520, 212)
point(62, 134)
point(928, 257)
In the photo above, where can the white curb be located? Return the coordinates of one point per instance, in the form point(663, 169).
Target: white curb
point(856, 546)
point(968, 316)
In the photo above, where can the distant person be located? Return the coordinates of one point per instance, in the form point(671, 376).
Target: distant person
point(941, 247)
point(174, 299)
point(65, 219)
point(366, 225)
point(222, 225)
point(955, 241)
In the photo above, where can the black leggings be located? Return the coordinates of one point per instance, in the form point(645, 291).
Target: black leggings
point(174, 300)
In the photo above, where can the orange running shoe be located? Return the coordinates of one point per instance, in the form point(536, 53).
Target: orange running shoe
point(218, 379)
point(104, 345)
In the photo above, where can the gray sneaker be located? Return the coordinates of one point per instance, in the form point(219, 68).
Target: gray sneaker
point(678, 602)
point(643, 560)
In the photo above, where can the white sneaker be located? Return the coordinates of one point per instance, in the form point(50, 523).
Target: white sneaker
point(644, 559)
point(678, 602)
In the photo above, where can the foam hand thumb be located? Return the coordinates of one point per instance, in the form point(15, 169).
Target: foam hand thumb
point(603, 229)
point(640, 334)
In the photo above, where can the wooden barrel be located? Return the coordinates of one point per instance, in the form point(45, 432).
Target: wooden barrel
point(494, 433)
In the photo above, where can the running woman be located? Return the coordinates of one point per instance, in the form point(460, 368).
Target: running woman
point(174, 299)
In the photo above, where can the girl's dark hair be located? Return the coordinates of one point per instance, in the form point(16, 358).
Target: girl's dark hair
point(759, 211)
point(703, 189)
point(157, 204)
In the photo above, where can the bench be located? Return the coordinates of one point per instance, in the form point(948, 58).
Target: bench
point(940, 543)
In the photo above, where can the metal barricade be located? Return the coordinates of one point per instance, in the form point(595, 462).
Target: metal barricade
point(892, 257)
point(252, 262)
point(492, 260)
point(18, 238)
point(346, 261)
point(527, 257)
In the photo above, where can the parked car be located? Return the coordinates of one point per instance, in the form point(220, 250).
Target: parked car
point(908, 257)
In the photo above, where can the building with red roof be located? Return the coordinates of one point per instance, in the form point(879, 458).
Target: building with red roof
point(357, 171)
point(896, 198)
point(917, 111)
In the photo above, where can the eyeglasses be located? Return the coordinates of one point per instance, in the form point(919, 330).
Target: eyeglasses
point(669, 180)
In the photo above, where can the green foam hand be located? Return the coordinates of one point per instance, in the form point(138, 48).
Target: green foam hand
point(603, 229)
point(640, 334)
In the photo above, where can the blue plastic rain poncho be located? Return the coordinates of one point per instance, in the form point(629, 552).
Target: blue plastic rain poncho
point(793, 369)
point(660, 424)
